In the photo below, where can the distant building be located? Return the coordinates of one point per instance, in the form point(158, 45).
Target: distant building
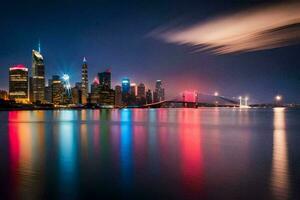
point(125, 85)
point(141, 90)
point(155, 96)
point(141, 94)
point(125, 91)
point(149, 96)
point(48, 94)
point(3, 95)
point(118, 96)
point(18, 84)
point(95, 85)
point(76, 95)
point(84, 82)
point(133, 89)
point(38, 77)
point(159, 92)
point(105, 80)
point(107, 98)
point(57, 90)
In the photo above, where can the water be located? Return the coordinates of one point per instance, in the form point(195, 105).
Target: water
point(209, 153)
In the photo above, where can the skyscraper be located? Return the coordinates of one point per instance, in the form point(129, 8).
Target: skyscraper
point(38, 77)
point(18, 83)
point(148, 96)
point(118, 96)
point(125, 91)
point(141, 90)
point(141, 94)
point(133, 89)
point(57, 90)
point(84, 82)
point(105, 80)
point(159, 91)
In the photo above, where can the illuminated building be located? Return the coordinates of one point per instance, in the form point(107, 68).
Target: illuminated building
point(95, 85)
point(67, 95)
point(38, 77)
point(48, 94)
point(95, 91)
point(18, 83)
point(118, 96)
point(76, 94)
point(125, 90)
point(3, 95)
point(84, 82)
point(57, 90)
point(133, 89)
point(107, 98)
point(159, 92)
point(148, 96)
point(105, 80)
point(125, 86)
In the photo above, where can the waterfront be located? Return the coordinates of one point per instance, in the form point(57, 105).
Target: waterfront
point(207, 153)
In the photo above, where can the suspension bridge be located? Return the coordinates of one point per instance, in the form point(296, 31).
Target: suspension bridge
point(194, 99)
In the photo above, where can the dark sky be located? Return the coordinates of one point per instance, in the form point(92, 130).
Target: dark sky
point(114, 34)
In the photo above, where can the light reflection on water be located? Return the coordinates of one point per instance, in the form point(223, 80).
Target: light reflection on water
point(147, 153)
point(280, 168)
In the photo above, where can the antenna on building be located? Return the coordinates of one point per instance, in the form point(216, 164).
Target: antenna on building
point(84, 59)
point(39, 46)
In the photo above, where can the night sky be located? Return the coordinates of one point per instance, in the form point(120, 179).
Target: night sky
point(115, 35)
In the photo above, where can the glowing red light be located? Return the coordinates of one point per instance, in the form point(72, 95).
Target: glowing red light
point(96, 80)
point(18, 67)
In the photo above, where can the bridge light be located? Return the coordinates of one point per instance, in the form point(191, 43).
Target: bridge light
point(216, 94)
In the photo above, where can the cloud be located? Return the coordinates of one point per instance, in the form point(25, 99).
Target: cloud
point(254, 29)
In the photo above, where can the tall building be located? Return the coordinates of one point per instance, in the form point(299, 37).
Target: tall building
point(105, 80)
point(38, 77)
point(141, 90)
point(76, 94)
point(84, 82)
point(155, 96)
point(149, 96)
point(133, 89)
point(141, 94)
point(18, 83)
point(48, 94)
point(159, 91)
point(125, 85)
point(125, 91)
point(118, 96)
point(57, 90)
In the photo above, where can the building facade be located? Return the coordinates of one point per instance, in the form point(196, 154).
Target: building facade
point(38, 77)
point(118, 96)
point(105, 80)
point(57, 90)
point(84, 82)
point(18, 84)
point(125, 91)
point(159, 94)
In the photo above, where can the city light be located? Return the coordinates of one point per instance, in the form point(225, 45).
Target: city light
point(216, 94)
point(66, 77)
point(278, 98)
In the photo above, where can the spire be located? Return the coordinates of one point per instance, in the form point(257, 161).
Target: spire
point(84, 59)
point(39, 46)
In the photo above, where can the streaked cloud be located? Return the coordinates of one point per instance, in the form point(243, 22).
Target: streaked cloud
point(259, 28)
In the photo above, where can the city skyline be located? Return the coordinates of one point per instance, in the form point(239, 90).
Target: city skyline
point(117, 38)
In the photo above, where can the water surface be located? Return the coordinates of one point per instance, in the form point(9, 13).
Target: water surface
point(207, 153)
